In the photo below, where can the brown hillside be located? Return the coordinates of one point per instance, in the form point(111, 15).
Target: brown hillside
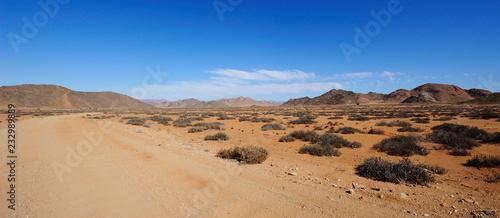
point(245, 102)
point(52, 96)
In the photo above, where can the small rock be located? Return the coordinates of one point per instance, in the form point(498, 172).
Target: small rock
point(357, 186)
point(403, 195)
point(351, 191)
point(381, 196)
point(443, 205)
point(376, 188)
point(292, 174)
point(467, 200)
point(426, 214)
point(335, 185)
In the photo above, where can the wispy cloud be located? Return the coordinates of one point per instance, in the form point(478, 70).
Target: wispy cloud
point(231, 82)
point(264, 75)
point(390, 75)
point(359, 75)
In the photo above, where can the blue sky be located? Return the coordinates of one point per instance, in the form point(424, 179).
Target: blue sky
point(260, 49)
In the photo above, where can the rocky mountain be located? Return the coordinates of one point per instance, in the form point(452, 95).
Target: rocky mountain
point(427, 93)
point(222, 103)
point(52, 96)
point(245, 102)
point(489, 99)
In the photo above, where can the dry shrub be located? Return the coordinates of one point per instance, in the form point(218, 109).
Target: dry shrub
point(401, 146)
point(405, 171)
point(246, 154)
point(219, 137)
point(272, 126)
point(484, 161)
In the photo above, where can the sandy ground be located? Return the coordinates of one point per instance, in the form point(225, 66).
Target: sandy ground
point(69, 166)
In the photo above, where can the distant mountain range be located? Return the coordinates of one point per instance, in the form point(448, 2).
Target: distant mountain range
point(427, 93)
point(222, 103)
point(52, 96)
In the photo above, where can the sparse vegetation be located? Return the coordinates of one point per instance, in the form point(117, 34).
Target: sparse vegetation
point(484, 161)
point(136, 121)
point(195, 129)
point(401, 146)
point(434, 168)
point(272, 126)
point(247, 154)
point(455, 136)
point(394, 123)
point(410, 129)
point(309, 119)
point(459, 152)
point(310, 136)
point(421, 120)
point(358, 118)
point(443, 119)
point(182, 122)
point(348, 130)
point(319, 150)
point(219, 137)
point(404, 171)
point(376, 131)
point(492, 138)
point(287, 138)
point(213, 125)
point(335, 141)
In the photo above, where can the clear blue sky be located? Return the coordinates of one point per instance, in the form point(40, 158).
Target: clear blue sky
point(260, 49)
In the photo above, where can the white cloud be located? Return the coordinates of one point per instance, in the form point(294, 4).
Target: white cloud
point(263, 75)
point(360, 75)
point(390, 75)
point(211, 89)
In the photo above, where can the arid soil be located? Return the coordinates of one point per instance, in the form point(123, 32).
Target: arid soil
point(71, 166)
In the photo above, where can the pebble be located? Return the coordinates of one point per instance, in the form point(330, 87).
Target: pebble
point(292, 174)
point(426, 214)
point(403, 195)
point(357, 186)
point(351, 191)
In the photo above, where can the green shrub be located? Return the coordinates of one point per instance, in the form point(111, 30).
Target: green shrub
point(484, 161)
point(401, 146)
point(404, 171)
point(219, 137)
point(272, 126)
point(247, 154)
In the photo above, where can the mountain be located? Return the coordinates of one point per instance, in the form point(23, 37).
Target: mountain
point(52, 96)
point(245, 102)
point(222, 103)
point(489, 99)
point(427, 93)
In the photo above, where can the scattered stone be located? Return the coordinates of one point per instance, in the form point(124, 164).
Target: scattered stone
point(467, 200)
point(381, 196)
point(443, 205)
point(357, 186)
point(403, 195)
point(350, 191)
point(376, 188)
point(426, 215)
point(292, 174)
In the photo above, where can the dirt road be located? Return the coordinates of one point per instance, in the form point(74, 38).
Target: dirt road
point(72, 167)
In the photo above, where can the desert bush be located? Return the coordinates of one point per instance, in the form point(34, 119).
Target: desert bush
point(347, 130)
point(246, 154)
point(443, 119)
point(358, 118)
point(459, 152)
point(410, 129)
point(304, 120)
point(219, 137)
point(335, 118)
point(287, 138)
point(272, 126)
point(195, 129)
point(394, 123)
point(404, 171)
point(212, 125)
point(376, 131)
point(356, 145)
point(453, 140)
point(494, 178)
point(318, 150)
point(492, 138)
point(159, 118)
point(401, 146)
point(421, 120)
point(461, 130)
point(484, 161)
point(434, 168)
point(136, 121)
point(182, 122)
point(310, 136)
point(329, 140)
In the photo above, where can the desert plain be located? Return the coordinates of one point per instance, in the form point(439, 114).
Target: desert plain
point(74, 163)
